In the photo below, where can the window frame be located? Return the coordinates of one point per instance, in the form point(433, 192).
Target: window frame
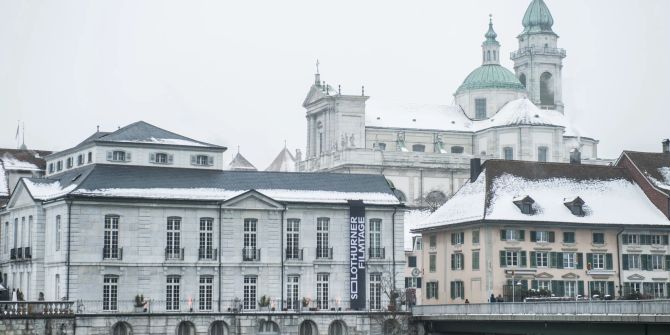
point(418, 148)
point(322, 290)
point(205, 292)
point(508, 153)
point(172, 293)
point(480, 107)
point(110, 293)
point(250, 292)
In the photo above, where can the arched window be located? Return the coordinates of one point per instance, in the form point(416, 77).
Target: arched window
point(268, 328)
point(522, 79)
point(218, 328)
point(494, 55)
point(419, 148)
point(308, 327)
point(457, 150)
point(186, 328)
point(338, 327)
point(391, 327)
point(546, 89)
point(121, 328)
point(488, 55)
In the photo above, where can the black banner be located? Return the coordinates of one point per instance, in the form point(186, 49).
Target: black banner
point(357, 254)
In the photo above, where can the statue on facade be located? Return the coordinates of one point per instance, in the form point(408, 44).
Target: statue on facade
point(352, 141)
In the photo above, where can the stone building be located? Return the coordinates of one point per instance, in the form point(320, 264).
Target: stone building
point(145, 218)
point(425, 149)
point(523, 229)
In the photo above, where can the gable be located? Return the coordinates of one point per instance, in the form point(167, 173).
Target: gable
point(20, 197)
point(313, 95)
point(635, 277)
point(253, 200)
point(544, 275)
point(570, 276)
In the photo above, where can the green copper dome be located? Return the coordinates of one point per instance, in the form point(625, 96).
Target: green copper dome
point(490, 76)
point(537, 19)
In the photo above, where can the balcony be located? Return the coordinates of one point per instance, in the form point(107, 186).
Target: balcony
point(207, 254)
point(174, 254)
point(12, 254)
point(324, 253)
point(112, 253)
point(376, 253)
point(251, 255)
point(294, 254)
point(600, 272)
point(538, 51)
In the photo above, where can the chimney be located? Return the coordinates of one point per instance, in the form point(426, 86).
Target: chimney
point(475, 169)
point(575, 156)
point(666, 146)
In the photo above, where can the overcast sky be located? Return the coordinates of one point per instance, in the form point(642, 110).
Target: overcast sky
point(236, 72)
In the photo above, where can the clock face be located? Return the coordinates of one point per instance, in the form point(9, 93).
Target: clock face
point(416, 272)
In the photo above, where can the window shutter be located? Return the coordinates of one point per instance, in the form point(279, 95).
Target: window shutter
point(152, 157)
point(522, 255)
point(664, 239)
point(127, 156)
point(532, 259)
point(462, 261)
point(559, 260)
point(462, 237)
point(503, 235)
point(418, 282)
point(552, 259)
point(210, 160)
point(554, 288)
point(533, 284)
point(580, 287)
point(589, 259)
point(453, 262)
point(624, 260)
point(452, 290)
point(552, 237)
point(406, 282)
point(591, 284)
point(533, 236)
point(624, 239)
point(193, 159)
point(453, 238)
point(643, 260)
point(170, 159)
point(561, 288)
point(610, 288)
point(521, 235)
point(503, 263)
point(462, 291)
point(608, 262)
point(580, 260)
point(667, 263)
point(109, 156)
point(437, 290)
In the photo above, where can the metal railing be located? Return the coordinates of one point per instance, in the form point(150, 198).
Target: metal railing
point(251, 254)
point(174, 254)
point(294, 254)
point(207, 254)
point(378, 253)
point(324, 253)
point(36, 308)
point(112, 253)
point(628, 307)
point(538, 51)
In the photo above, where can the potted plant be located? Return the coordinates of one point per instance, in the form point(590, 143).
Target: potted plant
point(140, 303)
point(264, 301)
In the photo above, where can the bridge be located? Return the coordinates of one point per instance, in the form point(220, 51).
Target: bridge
point(573, 317)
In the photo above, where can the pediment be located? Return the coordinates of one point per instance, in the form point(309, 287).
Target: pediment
point(543, 275)
point(570, 276)
point(635, 277)
point(315, 93)
point(252, 200)
point(20, 197)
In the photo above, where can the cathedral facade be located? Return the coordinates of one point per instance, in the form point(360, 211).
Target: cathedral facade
point(424, 150)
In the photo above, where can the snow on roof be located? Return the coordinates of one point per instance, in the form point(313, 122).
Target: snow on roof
point(4, 188)
point(466, 205)
point(665, 182)
point(12, 163)
point(413, 219)
point(452, 118)
point(170, 141)
point(284, 162)
point(222, 194)
point(46, 189)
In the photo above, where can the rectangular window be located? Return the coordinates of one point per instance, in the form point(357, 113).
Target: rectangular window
point(418, 243)
point(631, 239)
point(598, 238)
point(656, 239)
point(68, 162)
point(375, 291)
point(457, 290)
point(322, 294)
point(293, 239)
point(80, 159)
point(512, 258)
point(633, 261)
point(457, 238)
point(432, 241)
point(249, 302)
point(206, 248)
point(30, 230)
point(598, 261)
point(480, 109)
point(570, 289)
point(293, 292)
point(16, 231)
point(161, 158)
point(322, 235)
point(659, 290)
point(542, 236)
point(110, 293)
point(432, 262)
point(568, 260)
point(111, 237)
point(457, 261)
point(250, 229)
point(657, 262)
point(23, 232)
point(172, 293)
point(475, 259)
point(90, 157)
point(431, 290)
point(542, 154)
point(118, 156)
point(568, 237)
point(376, 250)
point(202, 160)
point(6, 237)
point(508, 153)
point(411, 261)
point(59, 165)
point(205, 293)
point(57, 295)
point(512, 235)
point(57, 233)
point(51, 167)
point(173, 249)
point(412, 282)
point(544, 285)
point(475, 237)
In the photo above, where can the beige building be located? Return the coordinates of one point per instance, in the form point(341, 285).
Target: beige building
point(525, 229)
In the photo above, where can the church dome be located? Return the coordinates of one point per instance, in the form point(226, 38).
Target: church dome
point(491, 76)
point(537, 18)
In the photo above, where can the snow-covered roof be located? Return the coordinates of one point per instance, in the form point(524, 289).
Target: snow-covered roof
point(4, 188)
point(610, 196)
point(241, 163)
point(655, 166)
point(413, 219)
point(663, 182)
point(113, 181)
point(284, 162)
point(452, 118)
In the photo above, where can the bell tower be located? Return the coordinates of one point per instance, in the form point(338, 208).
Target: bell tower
point(538, 62)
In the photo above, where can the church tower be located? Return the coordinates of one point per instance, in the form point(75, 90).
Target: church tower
point(539, 61)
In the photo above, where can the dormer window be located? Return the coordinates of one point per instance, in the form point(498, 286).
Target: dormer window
point(90, 157)
point(161, 158)
point(525, 204)
point(59, 165)
point(576, 205)
point(69, 162)
point(118, 156)
point(202, 160)
point(80, 159)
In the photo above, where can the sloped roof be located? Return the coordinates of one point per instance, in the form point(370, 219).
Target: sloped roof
point(610, 196)
point(241, 163)
point(121, 181)
point(655, 166)
point(284, 162)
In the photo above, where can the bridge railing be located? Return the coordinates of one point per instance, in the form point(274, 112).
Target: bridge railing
point(637, 307)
